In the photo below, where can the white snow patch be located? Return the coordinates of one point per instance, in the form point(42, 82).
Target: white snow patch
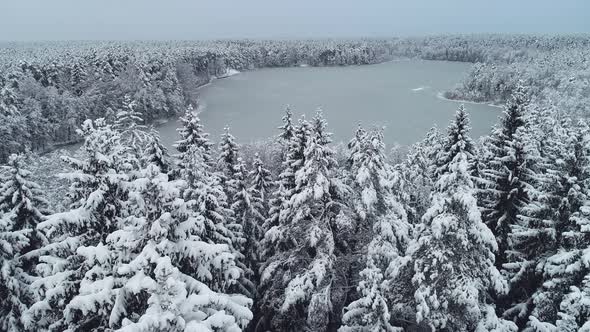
point(229, 72)
point(420, 88)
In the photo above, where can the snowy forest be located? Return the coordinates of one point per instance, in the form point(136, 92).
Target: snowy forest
point(458, 233)
point(47, 90)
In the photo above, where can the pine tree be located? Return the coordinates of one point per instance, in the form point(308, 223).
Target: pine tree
point(532, 238)
point(260, 180)
point(285, 184)
point(22, 208)
point(261, 185)
point(295, 281)
point(231, 174)
point(432, 144)
point(192, 134)
point(78, 80)
point(481, 158)
point(371, 176)
point(68, 263)
point(129, 123)
point(204, 187)
point(319, 128)
point(12, 287)
point(507, 173)
point(171, 262)
point(355, 146)
point(134, 135)
point(287, 129)
point(574, 313)
point(414, 171)
point(155, 152)
point(248, 210)
point(552, 238)
point(453, 256)
point(545, 130)
point(370, 312)
point(227, 161)
point(22, 200)
point(457, 141)
point(391, 234)
point(8, 99)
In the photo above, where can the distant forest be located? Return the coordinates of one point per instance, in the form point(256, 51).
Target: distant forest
point(48, 89)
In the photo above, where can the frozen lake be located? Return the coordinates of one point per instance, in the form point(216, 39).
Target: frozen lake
point(403, 96)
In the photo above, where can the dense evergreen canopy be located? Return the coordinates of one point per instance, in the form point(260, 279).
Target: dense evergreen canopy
point(298, 234)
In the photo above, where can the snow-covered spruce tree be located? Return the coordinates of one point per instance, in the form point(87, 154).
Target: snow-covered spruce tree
point(169, 261)
point(287, 128)
point(533, 237)
point(574, 309)
point(417, 170)
point(9, 96)
point(260, 187)
point(231, 173)
point(386, 251)
point(481, 158)
point(78, 79)
point(506, 174)
point(192, 134)
point(98, 201)
point(285, 184)
point(134, 135)
point(457, 141)
point(432, 145)
point(319, 128)
point(22, 201)
point(12, 288)
point(101, 286)
point(296, 279)
point(453, 256)
point(370, 176)
point(22, 208)
point(227, 161)
point(248, 209)
point(355, 146)
point(283, 139)
point(261, 180)
point(155, 152)
point(553, 239)
point(546, 127)
point(204, 188)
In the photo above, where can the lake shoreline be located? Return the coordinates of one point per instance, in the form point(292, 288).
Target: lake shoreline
point(156, 122)
point(166, 121)
point(256, 98)
point(441, 95)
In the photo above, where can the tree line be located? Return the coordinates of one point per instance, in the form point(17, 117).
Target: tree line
point(48, 89)
point(462, 235)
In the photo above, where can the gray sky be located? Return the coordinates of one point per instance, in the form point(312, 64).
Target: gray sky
point(210, 19)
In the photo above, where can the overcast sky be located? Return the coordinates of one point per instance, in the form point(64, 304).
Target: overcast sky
point(210, 19)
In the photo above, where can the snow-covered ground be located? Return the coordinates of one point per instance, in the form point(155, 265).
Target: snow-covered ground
point(229, 72)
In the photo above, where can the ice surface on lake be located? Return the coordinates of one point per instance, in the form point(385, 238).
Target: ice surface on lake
point(252, 103)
